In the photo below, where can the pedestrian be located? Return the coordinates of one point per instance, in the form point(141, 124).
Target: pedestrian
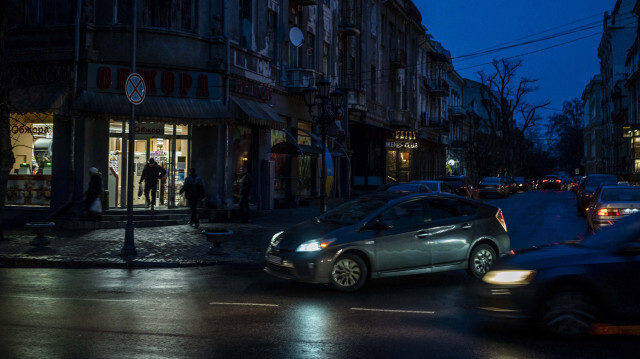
point(150, 175)
point(93, 200)
point(245, 191)
point(194, 191)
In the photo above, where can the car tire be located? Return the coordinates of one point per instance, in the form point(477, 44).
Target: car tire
point(568, 313)
point(480, 260)
point(348, 273)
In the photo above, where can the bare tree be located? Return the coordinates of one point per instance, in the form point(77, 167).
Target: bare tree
point(504, 98)
point(6, 151)
point(565, 135)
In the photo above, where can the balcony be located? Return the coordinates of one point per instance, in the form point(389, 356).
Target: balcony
point(438, 123)
point(456, 112)
point(349, 23)
point(398, 58)
point(356, 99)
point(299, 79)
point(437, 87)
point(400, 118)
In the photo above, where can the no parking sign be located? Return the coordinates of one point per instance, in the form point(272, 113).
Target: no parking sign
point(135, 88)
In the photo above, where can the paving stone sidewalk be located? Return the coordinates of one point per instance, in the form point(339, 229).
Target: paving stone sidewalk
point(170, 246)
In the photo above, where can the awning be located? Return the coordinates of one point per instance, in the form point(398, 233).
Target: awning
point(289, 148)
point(41, 98)
point(256, 113)
point(184, 111)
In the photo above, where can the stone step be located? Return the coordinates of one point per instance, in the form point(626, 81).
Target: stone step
point(90, 225)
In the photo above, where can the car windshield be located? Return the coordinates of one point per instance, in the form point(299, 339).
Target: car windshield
point(491, 180)
point(622, 194)
point(432, 185)
point(351, 212)
point(626, 229)
point(591, 184)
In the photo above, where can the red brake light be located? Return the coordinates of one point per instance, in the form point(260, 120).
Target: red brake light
point(557, 181)
point(608, 212)
point(544, 180)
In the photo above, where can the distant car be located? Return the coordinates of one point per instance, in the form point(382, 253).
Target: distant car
point(575, 183)
point(588, 186)
point(436, 186)
point(511, 184)
point(387, 234)
point(611, 203)
point(570, 288)
point(521, 184)
point(551, 182)
point(493, 186)
point(404, 187)
point(462, 186)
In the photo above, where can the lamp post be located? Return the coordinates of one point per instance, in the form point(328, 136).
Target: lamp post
point(310, 95)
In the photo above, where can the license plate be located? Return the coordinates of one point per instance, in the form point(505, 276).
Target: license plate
point(630, 210)
point(274, 259)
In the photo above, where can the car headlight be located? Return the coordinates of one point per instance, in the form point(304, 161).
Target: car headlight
point(275, 239)
point(314, 245)
point(505, 277)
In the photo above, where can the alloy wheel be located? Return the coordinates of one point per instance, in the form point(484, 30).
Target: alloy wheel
point(348, 273)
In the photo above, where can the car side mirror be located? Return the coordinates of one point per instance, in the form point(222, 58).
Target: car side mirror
point(377, 225)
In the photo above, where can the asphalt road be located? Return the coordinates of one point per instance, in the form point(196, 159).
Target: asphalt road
point(238, 311)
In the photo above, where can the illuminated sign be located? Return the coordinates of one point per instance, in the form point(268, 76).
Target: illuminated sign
point(401, 144)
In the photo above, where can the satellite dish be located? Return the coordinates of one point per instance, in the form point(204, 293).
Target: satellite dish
point(296, 37)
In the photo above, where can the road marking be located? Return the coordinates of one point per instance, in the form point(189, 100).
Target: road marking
point(63, 298)
point(394, 311)
point(245, 304)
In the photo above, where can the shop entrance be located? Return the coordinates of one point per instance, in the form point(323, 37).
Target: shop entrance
point(399, 165)
point(170, 152)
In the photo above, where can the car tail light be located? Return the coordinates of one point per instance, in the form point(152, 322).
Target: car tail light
point(558, 181)
point(543, 181)
point(500, 219)
point(608, 212)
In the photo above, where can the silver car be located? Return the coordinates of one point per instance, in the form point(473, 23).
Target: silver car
point(610, 203)
point(388, 234)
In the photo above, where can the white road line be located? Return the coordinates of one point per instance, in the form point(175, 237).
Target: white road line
point(394, 311)
point(63, 298)
point(245, 304)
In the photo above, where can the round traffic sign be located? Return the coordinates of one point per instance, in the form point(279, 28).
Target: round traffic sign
point(135, 89)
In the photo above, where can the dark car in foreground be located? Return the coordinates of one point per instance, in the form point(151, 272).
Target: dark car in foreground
point(387, 234)
point(462, 186)
point(588, 186)
point(570, 289)
point(404, 187)
point(610, 203)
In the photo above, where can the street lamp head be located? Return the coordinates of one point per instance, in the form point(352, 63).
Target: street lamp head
point(336, 98)
point(309, 96)
point(324, 86)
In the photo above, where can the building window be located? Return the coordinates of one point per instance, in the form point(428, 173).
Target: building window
point(311, 63)
point(44, 12)
point(374, 92)
point(325, 59)
point(167, 14)
point(374, 21)
point(123, 10)
point(272, 25)
point(246, 23)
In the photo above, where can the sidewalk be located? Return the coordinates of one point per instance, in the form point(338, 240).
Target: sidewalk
point(157, 247)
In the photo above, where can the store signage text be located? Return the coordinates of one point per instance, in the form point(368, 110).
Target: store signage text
point(157, 82)
point(36, 74)
point(250, 89)
point(20, 129)
point(150, 129)
point(402, 144)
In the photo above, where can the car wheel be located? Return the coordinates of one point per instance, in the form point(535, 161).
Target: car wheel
point(568, 313)
point(348, 273)
point(481, 260)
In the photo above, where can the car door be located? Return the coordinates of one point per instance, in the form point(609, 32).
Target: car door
point(404, 245)
point(451, 229)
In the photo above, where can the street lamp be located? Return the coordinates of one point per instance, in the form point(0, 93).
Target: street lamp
point(310, 95)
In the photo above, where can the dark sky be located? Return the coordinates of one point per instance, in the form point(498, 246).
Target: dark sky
point(468, 26)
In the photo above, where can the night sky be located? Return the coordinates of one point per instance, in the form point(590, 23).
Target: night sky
point(468, 26)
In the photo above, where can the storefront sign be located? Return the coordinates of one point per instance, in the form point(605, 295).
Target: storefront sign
point(150, 129)
point(36, 131)
point(402, 144)
point(109, 78)
point(250, 89)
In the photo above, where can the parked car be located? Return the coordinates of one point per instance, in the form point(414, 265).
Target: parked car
point(511, 184)
point(521, 184)
point(436, 186)
point(404, 187)
point(493, 186)
point(551, 182)
point(611, 203)
point(575, 183)
point(462, 186)
point(588, 186)
point(386, 234)
point(569, 288)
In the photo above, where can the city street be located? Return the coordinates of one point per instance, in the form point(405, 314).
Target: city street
point(237, 310)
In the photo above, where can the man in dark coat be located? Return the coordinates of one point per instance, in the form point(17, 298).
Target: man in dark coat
point(245, 192)
point(150, 175)
point(94, 192)
point(194, 191)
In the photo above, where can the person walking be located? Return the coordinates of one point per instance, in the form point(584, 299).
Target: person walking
point(93, 200)
point(194, 191)
point(245, 192)
point(150, 175)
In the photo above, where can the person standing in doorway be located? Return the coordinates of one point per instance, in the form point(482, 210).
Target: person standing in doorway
point(245, 192)
point(194, 191)
point(95, 191)
point(150, 175)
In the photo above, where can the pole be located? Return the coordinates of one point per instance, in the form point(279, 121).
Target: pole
point(129, 247)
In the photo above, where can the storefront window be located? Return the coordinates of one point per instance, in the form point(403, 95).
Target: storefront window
point(304, 162)
point(241, 156)
point(280, 165)
point(30, 177)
